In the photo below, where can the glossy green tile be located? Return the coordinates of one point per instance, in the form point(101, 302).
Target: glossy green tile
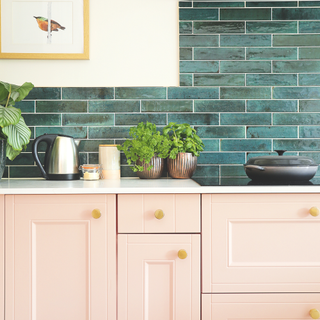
point(206, 171)
point(44, 93)
point(194, 118)
point(309, 3)
point(232, 171)
point(296, 93)
point(245, 93)
point(22, 159)
point(185, 4)
point(199, 66)
point(309, 53)
point(245, 14)
point(114, 106)
point(272, 106)
point(221, 131)
point(89, 119)
point(296, 66)
point(272, 27)
point(219, 105)
point(221, 158)
point(140, 93)
point(298, 40)
point(296, 144)
point(26, 106)
point(25, 172)
point(42, 119)
point(198, 14)
point(309, 26)
point(295, 13)
point(245, 119)
point(218, 4)
point(272, 53)
point(211, 144)
point(246, 145)
point(186, 80)
point(93, 145)
point(309, 132)
point(193, 93)
point(245, 40)
point(126, 171)
point(167, 106)
point(108, 132)
point(219, 80)
point(309, 79)
point(185, 53)
point(258, 132)
point(271, 3)
point(309, 105)
point(198, 41)
point(219, 53)
point(185, 27)
point(76, 132)
point(87, 93)
point(296, 118)
point(62, 106)
point(245, 66)
point(134, 119)
point(271, 79)
point(218, 27)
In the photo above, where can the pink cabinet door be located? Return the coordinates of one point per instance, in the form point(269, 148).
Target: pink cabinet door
point(259, 306)
point(60, 260)
point(137, 213)
point(260, 243)
point(1, 255)
point(153, 282)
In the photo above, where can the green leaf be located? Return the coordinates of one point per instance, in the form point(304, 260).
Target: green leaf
point(9, 116)
point(18, 93)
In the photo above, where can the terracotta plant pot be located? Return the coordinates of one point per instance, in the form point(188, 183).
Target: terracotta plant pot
point(155, 172)
point(183, 166)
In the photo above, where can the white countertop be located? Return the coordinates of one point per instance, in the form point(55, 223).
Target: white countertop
point(135, 185)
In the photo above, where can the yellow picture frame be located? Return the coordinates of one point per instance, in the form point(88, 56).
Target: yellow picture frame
point(80, 53)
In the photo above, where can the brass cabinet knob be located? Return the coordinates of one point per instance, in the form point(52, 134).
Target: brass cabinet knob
point(96, 213)
point(159, 214)
point(182, 254)
point(314, 313)
point(314, 211)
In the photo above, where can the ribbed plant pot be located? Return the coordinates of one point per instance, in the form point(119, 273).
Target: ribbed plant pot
point(183, 166)
point(3, 145)
point(155, 172)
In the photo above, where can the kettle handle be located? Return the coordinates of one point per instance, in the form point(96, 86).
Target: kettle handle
point(48, 139)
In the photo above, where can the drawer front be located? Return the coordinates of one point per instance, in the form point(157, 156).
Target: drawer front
point(260, 243)
point(137, 213)
point(259, 306)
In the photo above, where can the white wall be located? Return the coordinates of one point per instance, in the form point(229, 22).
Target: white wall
point(132, 43)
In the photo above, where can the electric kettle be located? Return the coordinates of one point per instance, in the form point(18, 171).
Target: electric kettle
point(61, 160)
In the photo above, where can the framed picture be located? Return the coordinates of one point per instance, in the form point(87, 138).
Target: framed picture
point(56, 29)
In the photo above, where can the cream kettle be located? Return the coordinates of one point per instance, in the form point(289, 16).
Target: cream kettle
point(61, 160)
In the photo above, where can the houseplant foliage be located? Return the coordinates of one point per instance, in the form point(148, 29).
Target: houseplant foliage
point(145, 143)
point(12, 126)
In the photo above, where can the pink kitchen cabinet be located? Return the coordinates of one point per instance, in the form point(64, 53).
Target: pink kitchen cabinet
point(60, 257)
point(1, 255)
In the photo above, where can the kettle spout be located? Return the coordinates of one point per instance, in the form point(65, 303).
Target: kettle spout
point(77, 142)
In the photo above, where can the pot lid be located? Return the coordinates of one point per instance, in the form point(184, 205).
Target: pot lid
point(280, 160)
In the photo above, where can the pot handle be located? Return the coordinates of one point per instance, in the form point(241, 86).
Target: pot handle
point(48, 139)
point(251, 166)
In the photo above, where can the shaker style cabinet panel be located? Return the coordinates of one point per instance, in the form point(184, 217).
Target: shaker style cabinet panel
point(259, 306)
point(158, 277)
point(158, 213)
point(260, 243)
point(60, 257)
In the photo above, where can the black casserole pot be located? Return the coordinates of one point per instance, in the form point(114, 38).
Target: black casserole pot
point(281, 168)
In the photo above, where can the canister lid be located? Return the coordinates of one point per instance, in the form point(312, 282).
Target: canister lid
point(109, 145)
point(90, 166)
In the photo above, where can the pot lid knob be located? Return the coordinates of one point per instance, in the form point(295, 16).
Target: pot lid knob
point(280, 152)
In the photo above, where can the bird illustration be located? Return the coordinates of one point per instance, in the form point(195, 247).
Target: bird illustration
point(43, 24)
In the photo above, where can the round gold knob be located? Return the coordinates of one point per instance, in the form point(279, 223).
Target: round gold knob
point(314, 211)
point(96, 213)
point(314, 313)
point(159, 214)
point(182, 254)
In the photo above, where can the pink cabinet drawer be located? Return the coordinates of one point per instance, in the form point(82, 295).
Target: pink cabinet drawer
point(137, 213)
point(260, 243)
point(259, 306)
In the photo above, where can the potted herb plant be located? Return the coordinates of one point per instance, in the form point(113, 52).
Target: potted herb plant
point(14, 133)
point(145, 150)
point(185, 148)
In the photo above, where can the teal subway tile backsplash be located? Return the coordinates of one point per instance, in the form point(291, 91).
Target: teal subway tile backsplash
point(249, 84)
